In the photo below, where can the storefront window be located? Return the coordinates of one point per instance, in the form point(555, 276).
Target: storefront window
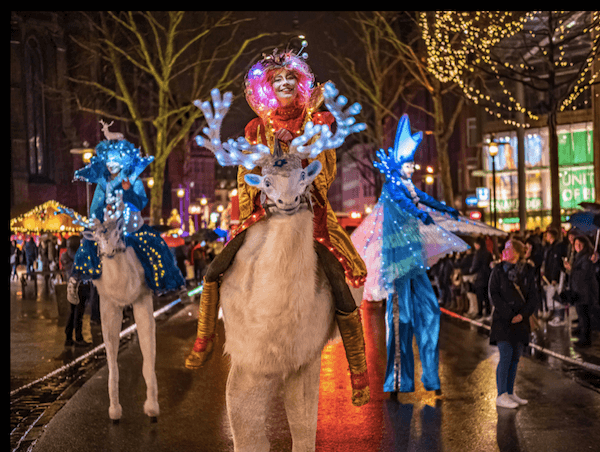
point(576, 173)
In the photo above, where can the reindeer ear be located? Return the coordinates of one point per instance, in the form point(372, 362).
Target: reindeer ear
point(312, 171)
point(253, 179)
point(88, 235)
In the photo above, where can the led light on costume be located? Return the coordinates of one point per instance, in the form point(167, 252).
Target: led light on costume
point(398, 242)
point(282, 182)
point(110, 202)
point(121, 156)
point(259, 91)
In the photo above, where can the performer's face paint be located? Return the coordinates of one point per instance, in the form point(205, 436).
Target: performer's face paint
point(113, 164)
point(408, 169)
point(285, 86)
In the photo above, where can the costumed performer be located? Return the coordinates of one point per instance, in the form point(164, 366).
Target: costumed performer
point(398, 242)
point(280, 89)
point(115, 170)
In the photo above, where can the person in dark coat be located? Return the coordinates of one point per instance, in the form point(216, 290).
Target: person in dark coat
point(75, 321)
point(480, 267)
point(552, 268)
point(31, 254)
point(15, 259)
point(584, 286)
point(513, 294)
point(446, 266)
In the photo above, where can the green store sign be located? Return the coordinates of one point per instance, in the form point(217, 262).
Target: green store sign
point(576, 186)
point(512, 204)
point(575, 149)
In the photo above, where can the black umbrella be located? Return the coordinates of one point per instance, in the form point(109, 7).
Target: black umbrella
point(594, 206)
point(208, 235)
point(160, 228)
point(586, 221)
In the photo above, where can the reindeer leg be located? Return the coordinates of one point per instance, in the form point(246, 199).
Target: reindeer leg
point(301, 400)
point(112, 316)
point(247, 397)
point(146, 327)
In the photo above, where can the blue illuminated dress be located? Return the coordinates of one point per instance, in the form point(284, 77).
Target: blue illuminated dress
point(161, 273)
point(398, 242)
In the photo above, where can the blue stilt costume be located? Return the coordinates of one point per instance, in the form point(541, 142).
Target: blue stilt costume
point(399, 241)
point(126, 163)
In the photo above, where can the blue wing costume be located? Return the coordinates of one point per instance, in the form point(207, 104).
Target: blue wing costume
point(399, 241)
point(161, 273)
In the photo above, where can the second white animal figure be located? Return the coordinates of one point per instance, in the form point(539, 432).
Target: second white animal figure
point(123, 283)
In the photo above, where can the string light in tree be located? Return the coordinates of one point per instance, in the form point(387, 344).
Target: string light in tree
point(460, 42)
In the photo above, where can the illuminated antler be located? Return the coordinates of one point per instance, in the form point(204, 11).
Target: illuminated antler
point(345, 122)
point(230, 153)
point(240, 152)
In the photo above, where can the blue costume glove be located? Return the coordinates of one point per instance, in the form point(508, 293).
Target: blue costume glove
point(426, 219)
point(452, 212)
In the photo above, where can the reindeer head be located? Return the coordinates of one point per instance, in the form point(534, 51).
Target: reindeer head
point(108, 236)
point(283, 179)
point(284, 182)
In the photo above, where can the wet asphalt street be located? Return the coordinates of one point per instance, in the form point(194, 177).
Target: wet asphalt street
point(563, 413)
point(71, 409)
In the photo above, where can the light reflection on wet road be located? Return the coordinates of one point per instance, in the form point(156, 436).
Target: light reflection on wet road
point(463, 418)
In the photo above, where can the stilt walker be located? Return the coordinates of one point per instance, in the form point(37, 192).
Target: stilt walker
point(399, 241)
point(281, 89)
point(115, 169)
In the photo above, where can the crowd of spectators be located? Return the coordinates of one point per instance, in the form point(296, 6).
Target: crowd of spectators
point(567, 273)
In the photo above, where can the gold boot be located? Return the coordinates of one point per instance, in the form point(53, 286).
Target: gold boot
point(207, 319)
point(350, 327)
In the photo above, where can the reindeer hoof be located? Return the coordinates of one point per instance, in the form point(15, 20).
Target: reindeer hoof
point(116, 421)
point(153, 420)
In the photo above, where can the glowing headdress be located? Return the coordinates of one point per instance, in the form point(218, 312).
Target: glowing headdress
point(259, 92)
point(405, 146)
point(122, 152)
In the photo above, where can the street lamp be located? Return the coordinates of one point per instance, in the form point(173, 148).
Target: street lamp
point(195, 210)
point(86, 153)
point(181, 194)
point(493, 151)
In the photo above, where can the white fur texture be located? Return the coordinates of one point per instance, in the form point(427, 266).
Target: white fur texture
point(278, 316)
point(123, 283)
point(277, 305)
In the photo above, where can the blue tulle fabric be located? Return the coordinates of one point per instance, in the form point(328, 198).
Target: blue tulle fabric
point(402, 250)
point(161, 272)
point(394, 242)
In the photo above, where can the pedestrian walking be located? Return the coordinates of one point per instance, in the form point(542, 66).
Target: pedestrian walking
point(583, 287)
point(15, 259)
point(514, 296)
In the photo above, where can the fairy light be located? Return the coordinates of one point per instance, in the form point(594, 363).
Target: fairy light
point(43, 218)
point(453, 37)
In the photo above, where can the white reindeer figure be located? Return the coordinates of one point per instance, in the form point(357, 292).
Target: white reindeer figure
point(122, 283)
point(277, 302)
point(108, 134)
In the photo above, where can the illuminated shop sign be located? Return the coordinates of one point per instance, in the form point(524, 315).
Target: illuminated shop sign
point(576, 186)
